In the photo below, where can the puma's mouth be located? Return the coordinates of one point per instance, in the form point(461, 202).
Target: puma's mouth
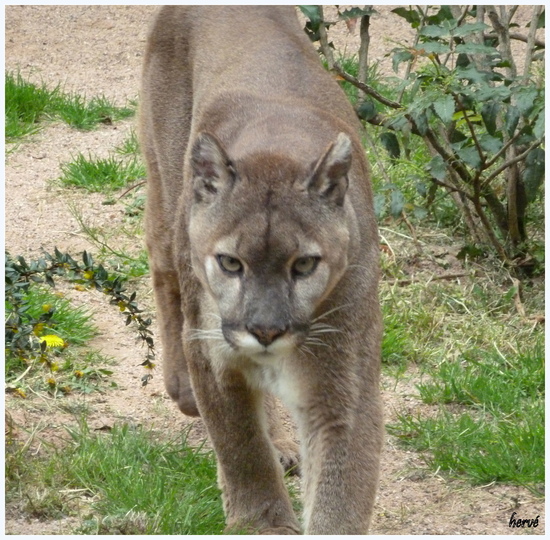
point(249, 345)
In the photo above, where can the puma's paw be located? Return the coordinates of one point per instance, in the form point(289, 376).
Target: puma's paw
point(186, 403)
point(289, 456)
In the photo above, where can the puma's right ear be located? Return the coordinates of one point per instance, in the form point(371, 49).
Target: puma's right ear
point(211, 168)
point(329, 179)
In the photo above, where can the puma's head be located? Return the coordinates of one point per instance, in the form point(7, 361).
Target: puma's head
point(270, 240)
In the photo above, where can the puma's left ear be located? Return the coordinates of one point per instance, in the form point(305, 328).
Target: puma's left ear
point(330, 175)
point(211, 168)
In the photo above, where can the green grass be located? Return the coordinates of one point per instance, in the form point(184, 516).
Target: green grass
point(137, 483)
point(489, 424)
point(26, 105)
point(101, 174)
point(81, 114)
point(130, 145)
point(29, 106)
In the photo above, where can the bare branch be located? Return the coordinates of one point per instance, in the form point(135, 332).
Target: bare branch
point(365, 87)
point(531, 42)
point(364, 48)
point(519, 37)
point(510, 162)
point(501, 28)
point(323, 40)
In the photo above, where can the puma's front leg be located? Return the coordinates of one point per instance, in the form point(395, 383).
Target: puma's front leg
point(250, 476)
point(342, 443)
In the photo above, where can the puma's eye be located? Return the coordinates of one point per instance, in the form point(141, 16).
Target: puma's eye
point(230, 264)
point(304, 266)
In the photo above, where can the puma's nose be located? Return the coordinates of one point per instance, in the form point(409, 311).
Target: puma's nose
point(264, 334)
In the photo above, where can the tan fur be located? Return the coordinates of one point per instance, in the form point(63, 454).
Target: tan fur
point(264, 257)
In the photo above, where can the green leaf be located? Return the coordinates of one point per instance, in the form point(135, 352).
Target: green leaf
point(525, 99)
point(443, 15)
point(356, 13)
point(470, 28)
point(476, 48)
point(432, 30)
point(472, 74)
point(540, 20)
point(436, 47)
point(366, 111)
point(533, 175)
point(313, 13)
point(401, 56)
point(410, 15)
point(444, 107)
point(486, 93)
point(490, 144)
point(511, 120)
point(421, 121)
point(489, 113)
point(397, 203)
point(538, 128)
point(391, 144)
point(379, 204)
point(87, 258)
point(437, 168)
point(470, 156)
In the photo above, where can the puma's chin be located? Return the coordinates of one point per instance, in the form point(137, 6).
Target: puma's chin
point(249, 346)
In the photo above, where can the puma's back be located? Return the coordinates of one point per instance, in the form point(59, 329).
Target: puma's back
point(264, 254)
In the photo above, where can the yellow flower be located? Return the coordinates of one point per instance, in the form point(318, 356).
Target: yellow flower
point(122, 305)
point(51, 381)
point(53, 341)
point(20, 392)
point(54, 366)
point(46, 307)
point(78, 374)
point(88, 274)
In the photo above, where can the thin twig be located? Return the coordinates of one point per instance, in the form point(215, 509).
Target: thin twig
point(403, 282)
point(132, 187)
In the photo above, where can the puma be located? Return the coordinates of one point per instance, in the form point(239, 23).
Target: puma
point(264, 257)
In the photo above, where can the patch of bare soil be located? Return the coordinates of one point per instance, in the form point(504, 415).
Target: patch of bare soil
point(97, 50)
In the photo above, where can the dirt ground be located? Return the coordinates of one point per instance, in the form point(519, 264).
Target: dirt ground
point(96, 50)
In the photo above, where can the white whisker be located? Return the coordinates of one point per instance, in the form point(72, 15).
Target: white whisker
point(326, 313)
